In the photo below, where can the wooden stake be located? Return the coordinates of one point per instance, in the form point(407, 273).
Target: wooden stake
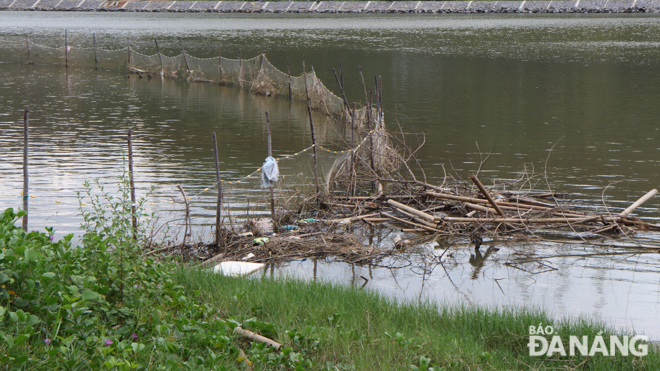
point(218, 215)
point(220, 63)
point(96, 59)
point(305, 78)
point(272, 195)
point(187, 218)
point(160, 57)
point(639, 202)
point(185, 58)
point(311, 125)
point(484, 192)
point(26, 195)
point(240, 67)
point(128, 50)
point(132, 184)
point(288, 69)
point(66, 49)
point(27, 45)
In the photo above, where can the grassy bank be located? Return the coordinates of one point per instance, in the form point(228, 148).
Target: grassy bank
point(353, 329)
point(105, 305)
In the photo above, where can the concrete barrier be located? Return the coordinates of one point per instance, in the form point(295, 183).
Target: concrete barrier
point(571, 6)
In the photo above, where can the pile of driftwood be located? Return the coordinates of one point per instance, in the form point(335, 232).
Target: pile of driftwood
point(475, 211)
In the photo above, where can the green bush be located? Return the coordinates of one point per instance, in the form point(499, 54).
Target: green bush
point(104, 305)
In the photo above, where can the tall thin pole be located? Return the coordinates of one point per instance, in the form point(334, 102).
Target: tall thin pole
point(311, 125)
point(240, 67)
point(160, 57)
point(218, 215)
point(27, 45)
point(132, 183)
point(185, 58)
point(288, 68)
point(220, 63)
point(128, 48)
point(272, 195)
point(305, 78)
point(66, 49)
point(96, 59)
point(26, 196)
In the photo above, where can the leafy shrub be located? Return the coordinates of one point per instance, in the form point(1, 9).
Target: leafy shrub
point(105, 305)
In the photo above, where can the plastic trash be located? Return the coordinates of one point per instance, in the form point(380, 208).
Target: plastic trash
point(260, 241)
point(248, 256)
point(304, 221)
point(235, 269)
point(289, 227)
point(263, 225)
point(269, 172)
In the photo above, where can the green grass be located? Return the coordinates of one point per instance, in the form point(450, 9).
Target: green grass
point(367, 331)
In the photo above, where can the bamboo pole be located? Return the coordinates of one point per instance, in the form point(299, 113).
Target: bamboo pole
point(218, 214)
point(128, 50)
point(187, 218)
point(26, 195)
point(185, 58)
point(66, 49)
point(639, 202)
point(288, 72)
point(305, 79)
point(160, 58)
point(272, 195)
point(132, 184)
point(411, 223)
point(411, 210)
point(522, 220)
point(482, 201)
point(27, 45)
point(220, 63)
point(96, 58)
point(240, 67)
point(255, 337)
point(316, 171)
point(484, 192)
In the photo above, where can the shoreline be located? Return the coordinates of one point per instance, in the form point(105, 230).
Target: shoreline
point(339, 7)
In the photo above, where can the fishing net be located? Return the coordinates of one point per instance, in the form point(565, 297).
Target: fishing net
point(256, 74)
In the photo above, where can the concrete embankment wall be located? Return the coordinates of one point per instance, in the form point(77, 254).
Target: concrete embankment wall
point(577, 6)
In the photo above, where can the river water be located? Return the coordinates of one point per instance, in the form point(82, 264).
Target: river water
point(570, 98)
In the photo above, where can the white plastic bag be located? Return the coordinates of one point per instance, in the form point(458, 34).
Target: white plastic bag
point(269, 172)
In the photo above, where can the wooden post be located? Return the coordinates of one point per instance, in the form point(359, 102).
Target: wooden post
point(27, 45)
point(288, 69)
point(26, 195)
point(220, 63)
point(160, 57)
point(96, 59)
point(185, 58)
point(132, 184)
point(187, 219)
point(272, 195)
point(240, 68)
point(218, 214)
point(311, 125)
point(128, 50)
point(66, 49)
point(305, 78)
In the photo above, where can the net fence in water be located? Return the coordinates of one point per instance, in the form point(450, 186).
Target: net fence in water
point(255, 74)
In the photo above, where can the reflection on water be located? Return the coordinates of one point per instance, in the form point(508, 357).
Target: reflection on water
point(517, 86)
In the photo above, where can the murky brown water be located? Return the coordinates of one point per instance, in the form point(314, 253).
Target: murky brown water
point(514, 85)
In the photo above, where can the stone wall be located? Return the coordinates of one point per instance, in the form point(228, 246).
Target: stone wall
point(577, 6)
